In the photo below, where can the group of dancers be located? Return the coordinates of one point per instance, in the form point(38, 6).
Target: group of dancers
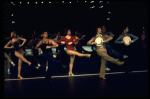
point(45, 45)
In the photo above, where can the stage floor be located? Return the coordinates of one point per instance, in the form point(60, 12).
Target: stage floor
point(89, 86)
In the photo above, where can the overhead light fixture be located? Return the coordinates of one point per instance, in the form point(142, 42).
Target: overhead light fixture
point(91, 1)
point(107, 2)
point(85, 1)
point(101, 6)
point(49, 2)
point(27, 2)
point(62, 1)
point(108, 18)
point(11, 2)
point(100, 1)
point(109, 12)
point(42, 2)
point(70, 2)
point(13, 21)
point(35, 2)
point(77, 1)
point(12, 14)
point(20, 2)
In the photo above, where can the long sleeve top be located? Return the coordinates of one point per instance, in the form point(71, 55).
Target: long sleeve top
point(72, 39)
point(120, 38)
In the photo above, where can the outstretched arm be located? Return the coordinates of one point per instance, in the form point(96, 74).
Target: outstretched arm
point(52, 42)
point(119, 40)
point(6, 46)
point(24, 40)
point(108, 38)
point(91, 41)
point(37, 46)
point(135, 38)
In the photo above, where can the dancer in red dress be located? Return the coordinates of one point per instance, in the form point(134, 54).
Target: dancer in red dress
point(69, 41)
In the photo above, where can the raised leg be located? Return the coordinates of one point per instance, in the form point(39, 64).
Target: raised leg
point(70, 52)
point(17, 54)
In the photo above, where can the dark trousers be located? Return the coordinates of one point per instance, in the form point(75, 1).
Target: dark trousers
point(51, 63)
point(110, 51)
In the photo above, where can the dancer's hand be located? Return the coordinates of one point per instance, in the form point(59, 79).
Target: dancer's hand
point(12, 46)
point(94, 43)
point(48, 47)
point(131, 41)
point(20, 45)
point(69, 43)
point(122, 41)
point(63, 42)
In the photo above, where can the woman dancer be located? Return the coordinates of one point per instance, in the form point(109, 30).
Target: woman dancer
point(45, 46)
point(101, 51)
point(8, 61)
point(69, 41)
point(33, 43)
point(128, 50)
point(18, 51)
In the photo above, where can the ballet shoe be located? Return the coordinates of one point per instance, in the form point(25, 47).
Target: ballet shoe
point(102, 78)
point(71, 74)
point(20, 77)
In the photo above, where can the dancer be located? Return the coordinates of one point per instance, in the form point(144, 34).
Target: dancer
point(102, 52)
point(109, 49)
point(69, 41)
point(33, 42)
point(9, 60)
point(18, 51)
point(128, 49)
point(45, 46)
point(78, 44)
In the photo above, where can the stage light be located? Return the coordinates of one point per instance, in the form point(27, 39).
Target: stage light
point(93, 7)
point(107, 2)
point(49, 2)
point(11, 2)
point(91, 1)
point(27, 2)
point(42, 2)
point(20, 2)
point(12, 14)
point(109, 12)
point(70, 2)
point(35, 2)
point(100, 1)
point(85, 1)
point(62, 1)
point(77, 1)
point(13, 21)
point(100, 7)
point(108, 18)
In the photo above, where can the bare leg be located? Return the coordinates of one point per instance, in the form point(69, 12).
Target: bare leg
point(102, 68)
point(19, 68)
point(8, 58)
point(22, 58)
point(70, 52)
point(72, 57)
point(8, 62)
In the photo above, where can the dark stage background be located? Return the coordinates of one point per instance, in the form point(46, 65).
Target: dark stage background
point(78, 16)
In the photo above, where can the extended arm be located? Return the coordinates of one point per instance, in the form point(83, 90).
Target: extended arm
point(37, 46)
point(6, 46)
point(108, 38)
point(135, 38)
point(24, 40)
point(119, 40)
point(91, 41)
point(54, 44)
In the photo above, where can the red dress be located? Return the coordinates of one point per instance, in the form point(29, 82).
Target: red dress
point(72, 39)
